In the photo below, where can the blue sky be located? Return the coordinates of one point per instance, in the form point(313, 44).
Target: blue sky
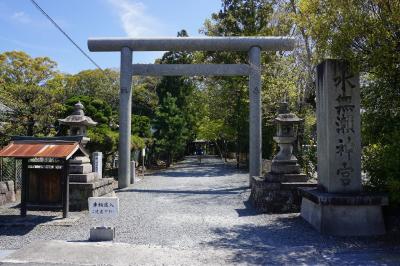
point(23, 27)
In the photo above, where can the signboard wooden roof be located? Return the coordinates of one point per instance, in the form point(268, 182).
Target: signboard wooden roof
point(40, 149)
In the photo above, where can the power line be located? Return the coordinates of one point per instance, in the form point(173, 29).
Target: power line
point(66, 35)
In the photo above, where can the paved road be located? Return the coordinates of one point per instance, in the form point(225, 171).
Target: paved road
point(200, 211)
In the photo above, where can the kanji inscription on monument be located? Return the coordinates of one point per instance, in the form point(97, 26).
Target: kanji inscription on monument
point(338, 127)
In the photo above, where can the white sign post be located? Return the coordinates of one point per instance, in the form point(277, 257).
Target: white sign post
point(97, 158)
point(133, 172)
point(102, 208)
point(143, 155)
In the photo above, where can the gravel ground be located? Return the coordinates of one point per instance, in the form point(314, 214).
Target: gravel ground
point(204, 206)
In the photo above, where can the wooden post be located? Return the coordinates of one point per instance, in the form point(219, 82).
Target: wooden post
point(65, 199)
point(24, 190)
point(15, 175)
point(1, 169)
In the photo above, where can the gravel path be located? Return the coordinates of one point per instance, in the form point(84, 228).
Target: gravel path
point(201, 207)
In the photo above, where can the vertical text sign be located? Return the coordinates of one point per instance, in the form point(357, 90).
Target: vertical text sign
point(338, 127)
point(103, 207)
point(98, 163)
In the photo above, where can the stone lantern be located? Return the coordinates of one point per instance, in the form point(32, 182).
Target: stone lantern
point(287, 125)
point(277, 191)
point(78, 123)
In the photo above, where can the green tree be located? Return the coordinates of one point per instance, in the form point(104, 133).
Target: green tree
point(144, 96)
point(95, 82)
point(141, 126)
point(170, 129)
point(27, 86)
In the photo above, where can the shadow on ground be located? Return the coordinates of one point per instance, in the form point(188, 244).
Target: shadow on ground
point(279, 242)
point(228, 191)
point(21, 225)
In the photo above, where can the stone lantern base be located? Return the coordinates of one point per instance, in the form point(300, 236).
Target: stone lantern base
point(85, 183)
point(278, 193)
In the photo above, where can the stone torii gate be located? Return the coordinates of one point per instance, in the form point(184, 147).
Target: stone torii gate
point(253, 45)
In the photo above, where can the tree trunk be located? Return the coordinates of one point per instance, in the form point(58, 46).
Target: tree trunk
point(219, 150)
point(169, 160)
point(30, 127)
point(226, 151)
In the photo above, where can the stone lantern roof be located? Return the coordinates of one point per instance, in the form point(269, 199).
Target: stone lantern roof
point(78, 118)
point(285, 117)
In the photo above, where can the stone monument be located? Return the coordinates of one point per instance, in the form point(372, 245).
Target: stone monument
point(277, 191)
point(84, 181)
point(338, 206)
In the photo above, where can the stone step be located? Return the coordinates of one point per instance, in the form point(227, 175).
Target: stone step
point(3, 187)
point(83, 168)
point(294, 178)
point(79, 160)
point(273, 177)
point(83, 178)
point(283, 168)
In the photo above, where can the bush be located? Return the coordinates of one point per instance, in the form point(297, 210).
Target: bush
point(381, 162)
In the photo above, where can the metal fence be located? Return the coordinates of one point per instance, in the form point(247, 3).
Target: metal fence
point(11, 169)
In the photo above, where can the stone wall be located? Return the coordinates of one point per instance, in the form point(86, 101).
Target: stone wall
point(276, 197)
point(7, 192)
point(80, 192)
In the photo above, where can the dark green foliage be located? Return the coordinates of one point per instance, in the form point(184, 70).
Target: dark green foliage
point(381, 136)
point(171, 132)
point(141, 126)
point(174, 118)
point(103, 139)
point(98, 110)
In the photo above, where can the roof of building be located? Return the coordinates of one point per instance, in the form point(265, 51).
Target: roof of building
point(41, 149)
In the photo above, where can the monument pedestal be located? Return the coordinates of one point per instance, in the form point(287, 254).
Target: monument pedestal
point(344, 214)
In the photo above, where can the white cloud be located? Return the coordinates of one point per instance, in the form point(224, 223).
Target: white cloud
point(134, 20)
point(21, 17)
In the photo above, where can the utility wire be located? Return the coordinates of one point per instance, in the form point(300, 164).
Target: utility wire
point(66, 35)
